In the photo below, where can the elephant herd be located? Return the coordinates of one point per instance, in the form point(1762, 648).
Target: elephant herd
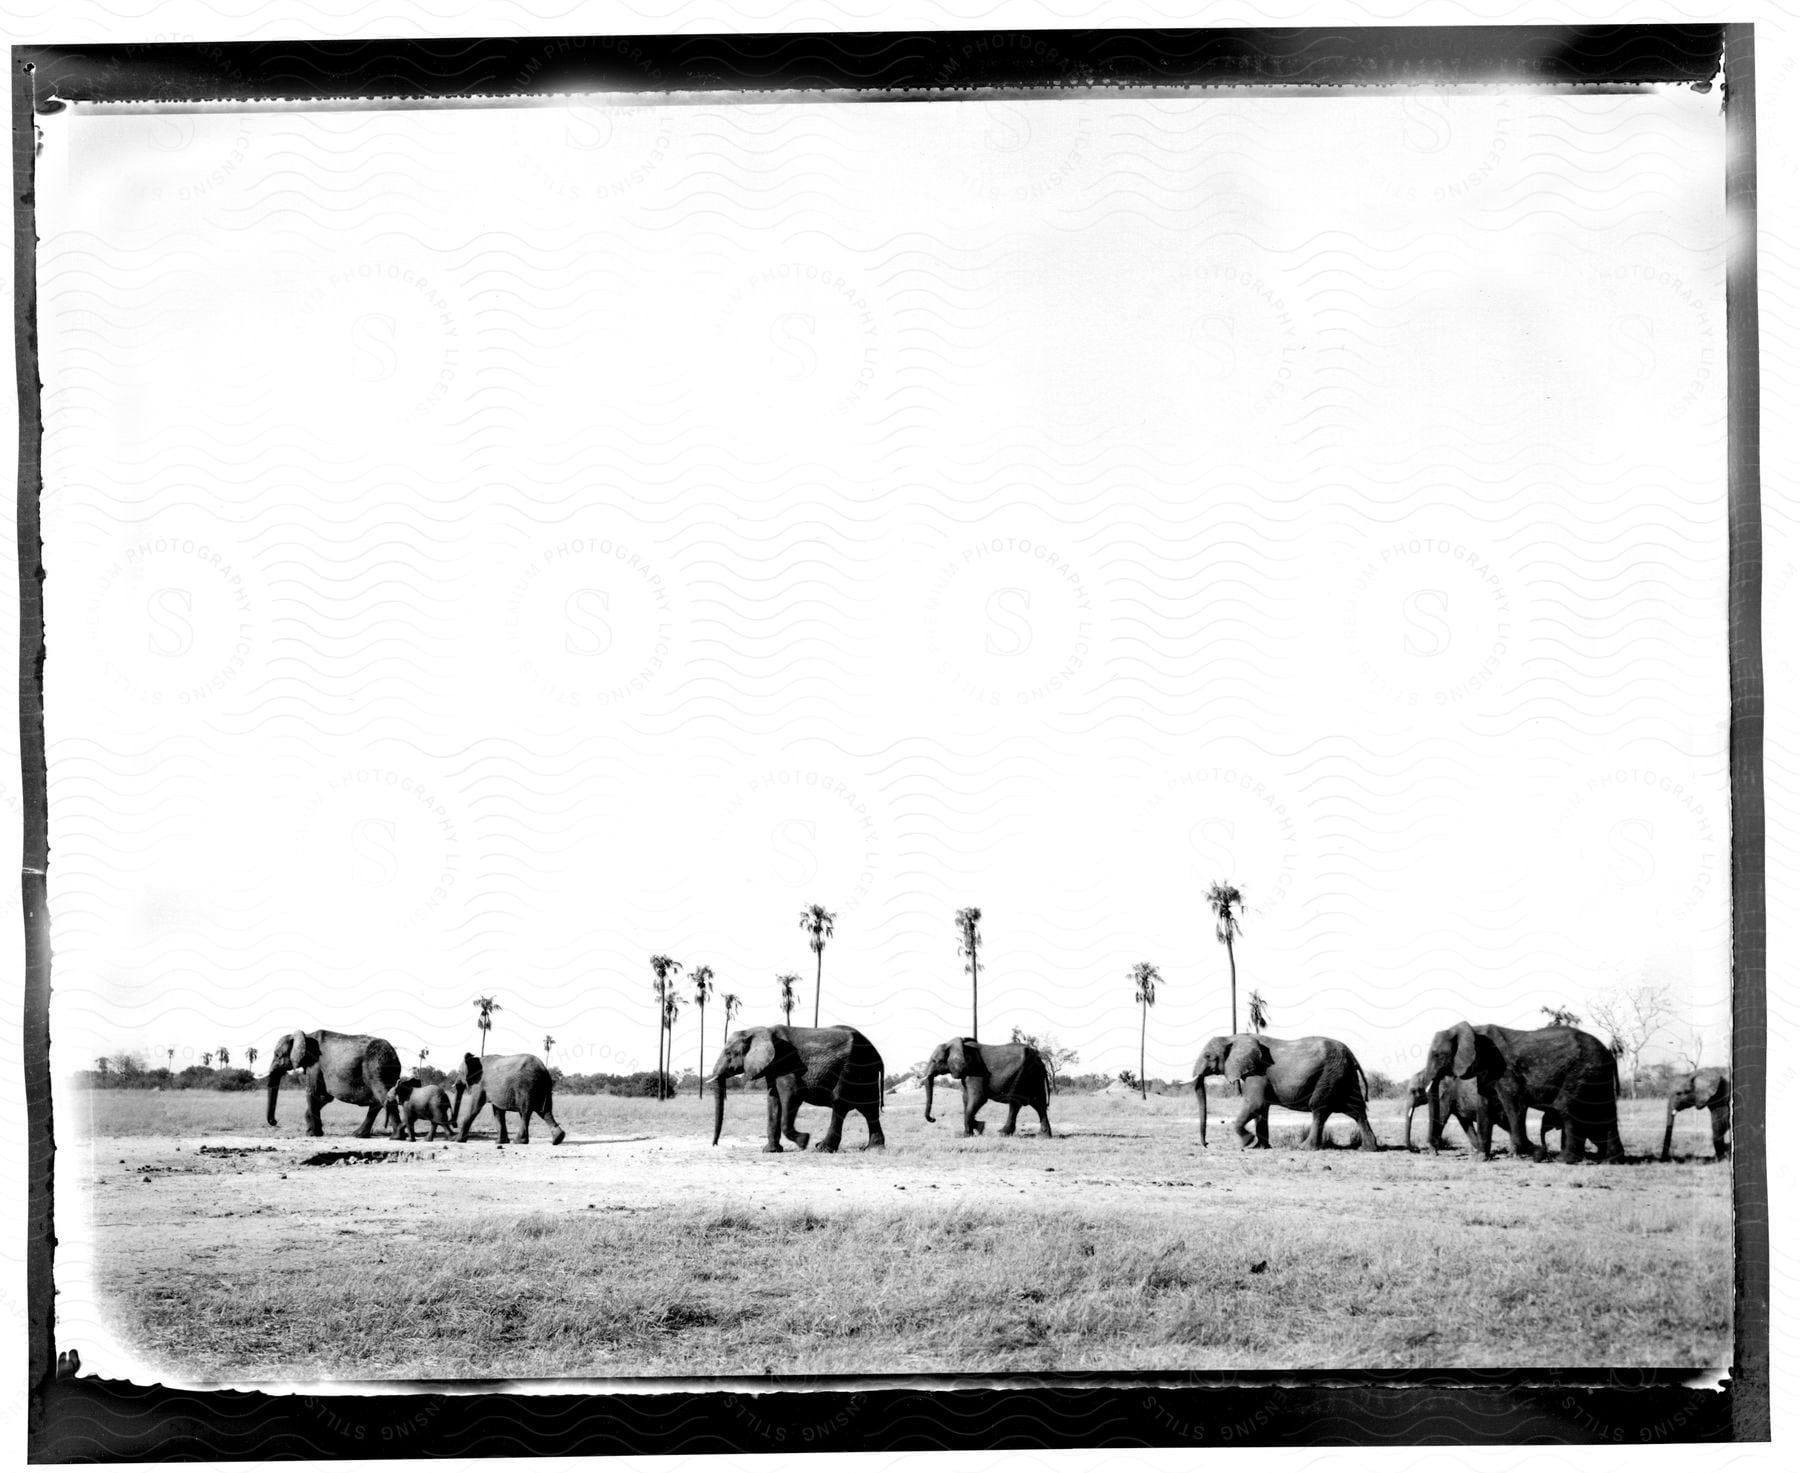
point(1479, 1075)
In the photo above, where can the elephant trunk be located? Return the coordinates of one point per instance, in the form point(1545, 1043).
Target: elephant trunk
point(718, 1107)
point(1669, 1129)
point(1410, 1107)
point(1200, 1095)
point(275, 1074)
point(930, 1084)
point(456, 1104)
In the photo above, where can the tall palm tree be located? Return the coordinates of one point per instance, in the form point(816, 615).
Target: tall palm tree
point(968, 929)
point(250, 1054)
point(1145, 976)
point(206, 1061)
point(671, 1011)
point(789, 981)
point(487, 1007)
point(1259, 1011)
point(732, 1002)
point(171, 1053)
point(224, 1057)
point(1222, 898)
point(549, 1043)
point(665, 968)
point(424, 1054)
point(702, 976)
point(817, 922)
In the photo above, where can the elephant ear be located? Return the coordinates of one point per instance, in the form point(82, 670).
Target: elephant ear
point(471, 1070)
point(303, 1049)
point(973, 1061)
point(1248, 1056)
point(759, 1057)
point(1466, 1056)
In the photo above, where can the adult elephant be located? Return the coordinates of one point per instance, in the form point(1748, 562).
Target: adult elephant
point(1317, 1075)
point(1012, 1073)
point(412, 1101)
point(1556, 1068)
point(1705, 1089)
point(836, 1068)
point(353, 1067)
point(1460, 1100)
point(518, 1082)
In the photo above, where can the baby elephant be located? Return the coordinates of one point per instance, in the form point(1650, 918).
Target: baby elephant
point(410, 1101)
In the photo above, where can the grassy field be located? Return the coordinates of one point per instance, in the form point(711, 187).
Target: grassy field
point(638, 1249)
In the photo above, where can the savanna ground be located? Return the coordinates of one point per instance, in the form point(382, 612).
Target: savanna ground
point(636, 1248)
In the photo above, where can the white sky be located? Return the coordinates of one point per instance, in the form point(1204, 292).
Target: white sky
point(635, 525)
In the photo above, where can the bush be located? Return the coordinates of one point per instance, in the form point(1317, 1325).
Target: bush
point(234, 1079)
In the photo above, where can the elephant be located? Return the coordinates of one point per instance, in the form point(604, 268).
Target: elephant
point(1555, 1068)
point(1012, 1073)
point(1460, 1100)
point(836, 1067)
point(412, 1101)
point(352, 1067)
point(1319, 1075)
point(507, 1082)
point(1708, 1089)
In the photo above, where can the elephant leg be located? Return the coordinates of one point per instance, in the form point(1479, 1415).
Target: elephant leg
point(525, 1124)
point(1481, 1138)
point(1247, 1113)
point(973, 1100)
point(556, 1138)
point(774, 1143)
point(790, 1113)
point(872, 1114)
point(1721, 1122)
point(1012, 1119)
point(1365, 1132)
point(834, 1133)
point(1043, 1115)
point(1315, 1137)
point(500, 1119)
point(1574, 1146)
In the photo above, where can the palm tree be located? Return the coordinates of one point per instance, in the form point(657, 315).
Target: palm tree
point(549, 1043)
point(171, 1058)
point(789, 981)
point(702, 976)
point(665, 968)
point(1145, 975)
point(206, 1060)
point(817, 922)
point(488, 1007)
point(1222, 897)
point(424, 1054)
point(1259, 1011)
point(671, 1011)
point(250, 1054)
point(732, 1002)
point(968, 922)
point(224, 1057)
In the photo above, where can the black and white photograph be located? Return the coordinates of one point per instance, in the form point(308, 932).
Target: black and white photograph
point(746, 734)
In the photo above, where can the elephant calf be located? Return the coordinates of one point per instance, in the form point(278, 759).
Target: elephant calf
point(411, 1101)
point(1317, 1075)
point(1709, 1090)
point(1461, 1100)
point(1012, 1073)
point(518, 1082)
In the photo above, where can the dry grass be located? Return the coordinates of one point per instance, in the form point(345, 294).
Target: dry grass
point(1120, 1245)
